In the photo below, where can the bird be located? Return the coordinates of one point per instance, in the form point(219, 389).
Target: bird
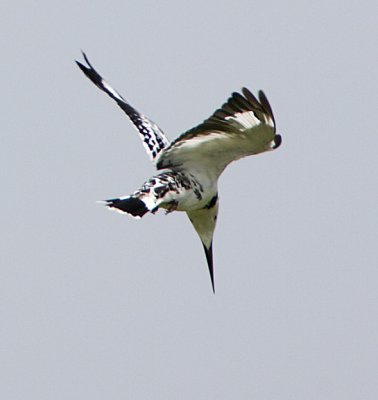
point(190, 165)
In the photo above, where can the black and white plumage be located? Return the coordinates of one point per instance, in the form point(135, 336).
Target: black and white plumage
point(192, 163)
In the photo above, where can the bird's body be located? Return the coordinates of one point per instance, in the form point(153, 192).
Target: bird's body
point(171, 190)
point(191, 165)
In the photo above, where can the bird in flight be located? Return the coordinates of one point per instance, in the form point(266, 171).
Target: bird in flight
point(191, 164)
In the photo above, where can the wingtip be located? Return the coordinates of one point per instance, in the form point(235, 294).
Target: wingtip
point(86, 59)
point(277, 141)
point(82, 66)
point(265, 103)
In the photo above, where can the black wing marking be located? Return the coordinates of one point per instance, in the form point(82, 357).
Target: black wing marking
point(153, 137)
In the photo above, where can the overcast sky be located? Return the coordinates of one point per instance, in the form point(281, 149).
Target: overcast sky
point(95, 305)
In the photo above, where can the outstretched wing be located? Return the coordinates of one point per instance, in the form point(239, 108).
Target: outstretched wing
point(243, 126)
point(153, 137)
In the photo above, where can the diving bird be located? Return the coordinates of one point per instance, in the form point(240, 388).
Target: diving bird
point(191, 164)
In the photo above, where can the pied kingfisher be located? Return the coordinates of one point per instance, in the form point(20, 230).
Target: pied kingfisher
point(192, 163)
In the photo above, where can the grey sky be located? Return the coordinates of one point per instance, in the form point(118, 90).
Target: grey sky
point(94, 305)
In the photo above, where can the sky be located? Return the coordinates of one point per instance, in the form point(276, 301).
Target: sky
point(97, 305)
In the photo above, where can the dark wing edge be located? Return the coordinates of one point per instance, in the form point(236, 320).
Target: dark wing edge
point(236, 104)
point(152, 136)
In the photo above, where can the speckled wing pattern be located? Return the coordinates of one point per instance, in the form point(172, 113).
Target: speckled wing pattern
point(243, 126)
point(152, 136)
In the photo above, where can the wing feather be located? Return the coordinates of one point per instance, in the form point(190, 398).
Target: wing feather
point(243, 126)
point(152, 136)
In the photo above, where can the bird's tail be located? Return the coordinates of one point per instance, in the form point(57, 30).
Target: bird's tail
point(132, 205)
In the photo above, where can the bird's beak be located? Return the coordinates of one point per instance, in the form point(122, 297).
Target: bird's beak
point(209, 258)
